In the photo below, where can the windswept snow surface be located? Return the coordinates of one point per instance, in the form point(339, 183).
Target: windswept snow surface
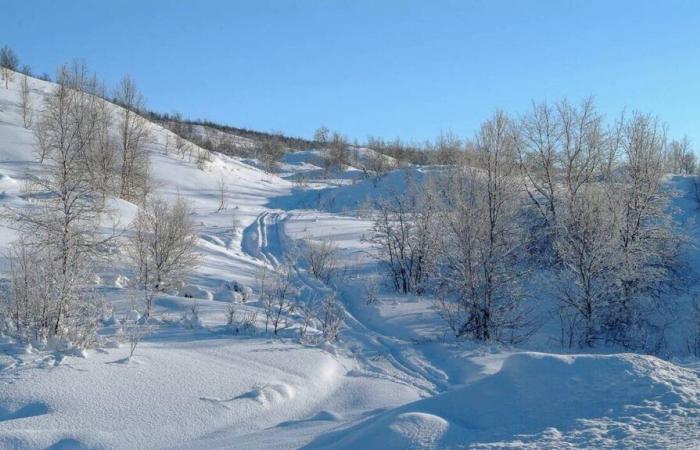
point(546, 401)
point(395, 379)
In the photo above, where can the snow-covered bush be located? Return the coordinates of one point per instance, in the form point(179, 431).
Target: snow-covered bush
point(404, 235)
point(321, 258)
point(277, 296)
point(331, 318)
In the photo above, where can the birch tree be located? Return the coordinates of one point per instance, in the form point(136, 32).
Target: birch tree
point(60, 233)
point(25, 102)
point(133, 136)
point(481, 276)
point(162, 247)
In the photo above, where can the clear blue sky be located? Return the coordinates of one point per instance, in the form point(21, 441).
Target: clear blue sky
point(387, 68)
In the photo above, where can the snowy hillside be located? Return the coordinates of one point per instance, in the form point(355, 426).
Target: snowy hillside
point(394, 379)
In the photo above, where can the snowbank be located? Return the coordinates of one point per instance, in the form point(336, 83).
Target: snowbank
point(544, 398)
point(192, 291)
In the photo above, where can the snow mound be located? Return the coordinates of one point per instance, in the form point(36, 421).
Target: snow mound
point(270, 394)
point(228, 296)
point(192, 291)
point(540, 397)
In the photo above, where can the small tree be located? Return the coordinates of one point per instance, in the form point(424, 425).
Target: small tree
point(586, 244)
point(481, 275)
point(270, 153)
point(331, 318)
point(277, 293)
point(221, 188)
point(321, 135)
point(338, 155)
point(134, 329)
point(404, 233)
point(133, 135)
point(9, 63)
point(25, 102)
point(321, 258)
point(161, 247)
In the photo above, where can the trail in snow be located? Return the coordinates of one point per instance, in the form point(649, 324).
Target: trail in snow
point(379, 355)
point(261, 239)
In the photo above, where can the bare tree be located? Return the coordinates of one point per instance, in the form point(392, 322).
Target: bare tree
point(60, 230)
point(448, 148)
point(404, 233)
point(270, 153)
point(587, 245)
point(650, 242)
point(338, 154)
point(25, 102)
point(617, 244)
point(680, 157)
point(162, 247)
point(29, 304)
point(331, 318)
point(8, 64)
point(481, 280)
point(221, 187)
point(134, 329)
point(133, 135)
point(321, 258)
point(560, 149)
point(277, 294)
point(203, 157)
point(321, 135)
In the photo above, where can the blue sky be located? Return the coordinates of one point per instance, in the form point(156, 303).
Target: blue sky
point(385, 68)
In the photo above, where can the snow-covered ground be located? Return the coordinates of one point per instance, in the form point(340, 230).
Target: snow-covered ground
point(394, 379)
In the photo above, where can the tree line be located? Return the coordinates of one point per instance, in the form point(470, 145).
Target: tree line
point(555, 203)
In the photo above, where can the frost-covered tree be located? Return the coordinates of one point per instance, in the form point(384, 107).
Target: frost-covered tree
point(587, 246)
point(60, 233)
point(162, 247)
point(481, 276)
point(321, 258)
point(560, 149)
point(133, 137)
point(618, 246)
point(221, 189)
point(270, 152)
point(338, 153)
point(680, 157)
point(25, 102)
point(278, 297)
point(649, 240)
point(9, 63)
point(321, 135)
point(402, 240)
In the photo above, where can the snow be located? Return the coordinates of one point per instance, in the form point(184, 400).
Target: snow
point(191, 291)
point(395, 379)
point(541, 400)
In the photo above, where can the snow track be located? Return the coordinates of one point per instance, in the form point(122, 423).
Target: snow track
point(378, 355)
point(261, 239)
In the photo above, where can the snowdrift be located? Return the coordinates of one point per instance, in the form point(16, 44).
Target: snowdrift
point(540, 397)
